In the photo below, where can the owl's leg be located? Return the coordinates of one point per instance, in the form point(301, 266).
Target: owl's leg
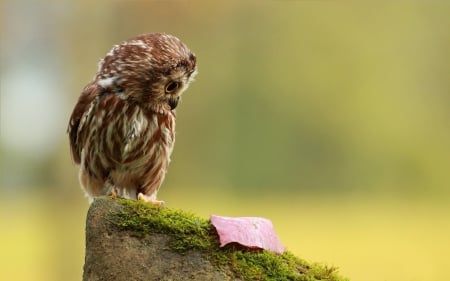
point(110, 189)
point(151, 199)
point(113, 194)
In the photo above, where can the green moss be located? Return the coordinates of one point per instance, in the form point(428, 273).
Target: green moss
point(188, 231)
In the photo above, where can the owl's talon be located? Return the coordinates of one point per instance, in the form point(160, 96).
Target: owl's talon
point(150, 200)
point(113, 194)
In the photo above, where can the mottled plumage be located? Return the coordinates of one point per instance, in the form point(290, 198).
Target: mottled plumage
point(122, 129)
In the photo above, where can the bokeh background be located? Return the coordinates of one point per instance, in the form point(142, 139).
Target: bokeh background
point(331, 118)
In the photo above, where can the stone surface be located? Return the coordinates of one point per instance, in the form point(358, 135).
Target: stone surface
point(118, 255)
point(130, 240)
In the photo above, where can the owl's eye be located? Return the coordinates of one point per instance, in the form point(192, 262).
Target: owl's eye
point(172, 87)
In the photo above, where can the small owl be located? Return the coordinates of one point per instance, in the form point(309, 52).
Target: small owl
point(122, 129)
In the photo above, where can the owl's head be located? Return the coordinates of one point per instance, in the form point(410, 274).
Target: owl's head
point(152, 69)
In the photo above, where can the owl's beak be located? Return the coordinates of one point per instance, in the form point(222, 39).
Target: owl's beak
point(173, 101)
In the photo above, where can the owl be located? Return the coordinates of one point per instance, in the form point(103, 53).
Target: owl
point(122, 129)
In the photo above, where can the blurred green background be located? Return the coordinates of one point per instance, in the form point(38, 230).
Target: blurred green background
point(331, 118)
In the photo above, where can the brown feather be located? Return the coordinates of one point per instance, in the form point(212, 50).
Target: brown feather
point(84, 101)
point(122, 129)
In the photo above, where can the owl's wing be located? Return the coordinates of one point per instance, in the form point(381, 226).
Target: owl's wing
point(81, 108)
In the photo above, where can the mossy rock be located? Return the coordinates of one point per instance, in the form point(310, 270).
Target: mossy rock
point(130, 240)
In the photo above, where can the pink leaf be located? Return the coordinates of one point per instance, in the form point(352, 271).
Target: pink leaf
point(251, 232)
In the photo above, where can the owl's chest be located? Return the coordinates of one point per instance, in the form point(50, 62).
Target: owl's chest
point(127, 136)
point(147, 138)
point(138, 148)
